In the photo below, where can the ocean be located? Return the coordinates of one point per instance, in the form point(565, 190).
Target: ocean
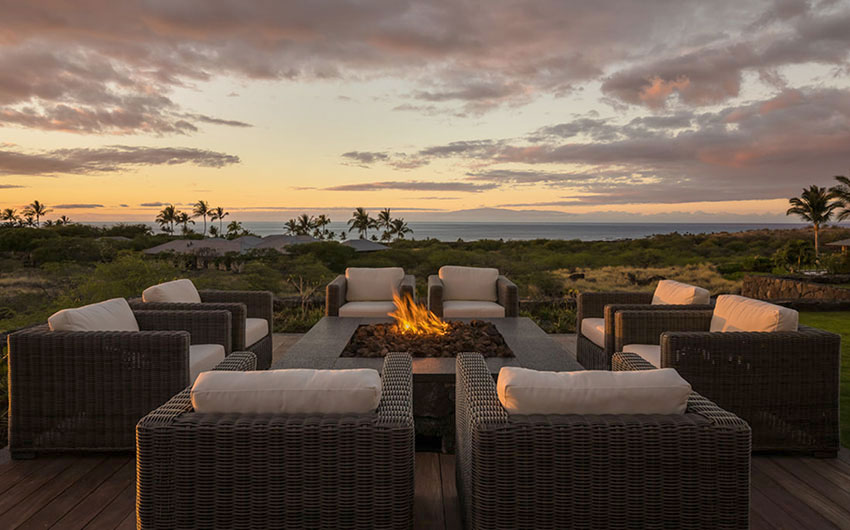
point(471, 231)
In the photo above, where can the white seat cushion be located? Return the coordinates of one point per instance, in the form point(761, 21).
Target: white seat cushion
point(256, 330)
point(111, 315)
point(738, 313)
point(524, 391)
point(472, 309)
point(366, 309)
point(204, 357)
point(297, 391)
point(649, 352)
point(369, 285)
point(594, 329)
point(179, 291)
point(669, 292)
point(469, 283)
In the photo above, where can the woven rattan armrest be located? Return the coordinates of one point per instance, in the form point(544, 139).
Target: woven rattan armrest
point(435, 295)
point(335, 296)
point(646, 326)
point(204, 327)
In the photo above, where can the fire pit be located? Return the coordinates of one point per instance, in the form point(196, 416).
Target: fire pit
point(420, 332)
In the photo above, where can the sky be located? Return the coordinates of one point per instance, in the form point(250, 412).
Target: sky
point(669, 110)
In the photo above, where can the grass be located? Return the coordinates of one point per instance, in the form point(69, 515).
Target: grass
point(837, 322)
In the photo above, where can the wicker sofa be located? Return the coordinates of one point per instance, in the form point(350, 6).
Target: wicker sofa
point(597, 471)
point(277, 471)
point(785, 384)
point(596, 353)
point(367, 292)
point(246, 307)
point(85, 390)
point(472, 292)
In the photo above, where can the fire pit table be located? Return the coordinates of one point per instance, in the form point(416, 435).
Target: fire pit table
point(433, 377)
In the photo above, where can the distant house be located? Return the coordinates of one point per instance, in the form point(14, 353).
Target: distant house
point(219, 247)
point(364, 245)
point(844, 244)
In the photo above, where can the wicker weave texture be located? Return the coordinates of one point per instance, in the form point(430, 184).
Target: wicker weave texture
point(85, 391)
point(271, 471)
point(606, 471)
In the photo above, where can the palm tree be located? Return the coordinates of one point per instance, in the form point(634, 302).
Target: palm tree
point(842, 193)
point(201, 209)
point(184, 219)
point(10, 215)
point(306, 224)
point(166, 218)
point(63, 220)
point(816, 206)
point(37, 210)
point(49, 223)
point(361, 222)
point(385, 222)
point(399, 229)
point(291, 227)
point(218, 213)
point(234, 229)
point(321, 222)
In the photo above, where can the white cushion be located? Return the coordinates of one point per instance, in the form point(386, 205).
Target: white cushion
point(180, 291)
point(669, 292)
point(297, 391)
point(524, 391)
point(364, 284)
point(469, 283)
point(366, 309)
point(594, 329)
point(111, 315)
point(649, 352)
point(204, 357)
point(256, 330)
point(737, 313)
point(472, 309)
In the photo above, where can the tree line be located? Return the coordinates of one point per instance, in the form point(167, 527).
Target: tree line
point(31, 216)
point(385, 224)
point(818, 206)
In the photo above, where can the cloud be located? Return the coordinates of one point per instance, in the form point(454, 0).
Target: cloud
point(713, 73)
point(366, 157)
point(398, 161)
point(77, 206)
point(10, 186)
point(123, 205)
point(109, 159)
point(153, 204)
point(114, 69)
point(414, 186)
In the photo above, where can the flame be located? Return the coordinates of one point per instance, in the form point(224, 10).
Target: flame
point(415, 319)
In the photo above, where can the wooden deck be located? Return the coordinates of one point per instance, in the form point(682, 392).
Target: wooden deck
point(96, 492)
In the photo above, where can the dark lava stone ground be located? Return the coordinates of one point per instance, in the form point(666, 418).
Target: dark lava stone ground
point(376, 340)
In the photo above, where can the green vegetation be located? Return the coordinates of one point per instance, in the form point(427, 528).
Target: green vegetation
point(837, 322)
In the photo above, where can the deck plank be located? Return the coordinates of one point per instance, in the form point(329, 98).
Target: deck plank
point(428, 493)
point(26, 506)
point(117, 510)
point(820, 486)
point(807, 494)
point(32, 482)
point(451, 505)
point(800, 513)
point(54, 510)
point(129, 522)
point(80, 515)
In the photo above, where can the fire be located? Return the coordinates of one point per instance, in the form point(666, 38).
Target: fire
point(415, 319)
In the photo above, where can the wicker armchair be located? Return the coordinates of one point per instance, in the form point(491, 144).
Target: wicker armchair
point(85, 390)
point(785, 384)
point(335, 297)
point(242, 306)
point(507, 296)
point(605, 305)
point(273, 471)
point(597, 471)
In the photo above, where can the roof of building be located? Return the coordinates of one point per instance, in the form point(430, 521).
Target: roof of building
point(221, 247)
point(364, 245)
point(842, 243)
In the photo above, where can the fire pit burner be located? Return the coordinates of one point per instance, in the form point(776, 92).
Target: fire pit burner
point(376, 340)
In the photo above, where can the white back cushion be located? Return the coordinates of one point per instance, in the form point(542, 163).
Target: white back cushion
point(175, 291)
point(670, 292)
point(524, 391)
point(738, 313)
point(111, 315)
point(297, 391)
point(366, 284)
point(469, 283)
